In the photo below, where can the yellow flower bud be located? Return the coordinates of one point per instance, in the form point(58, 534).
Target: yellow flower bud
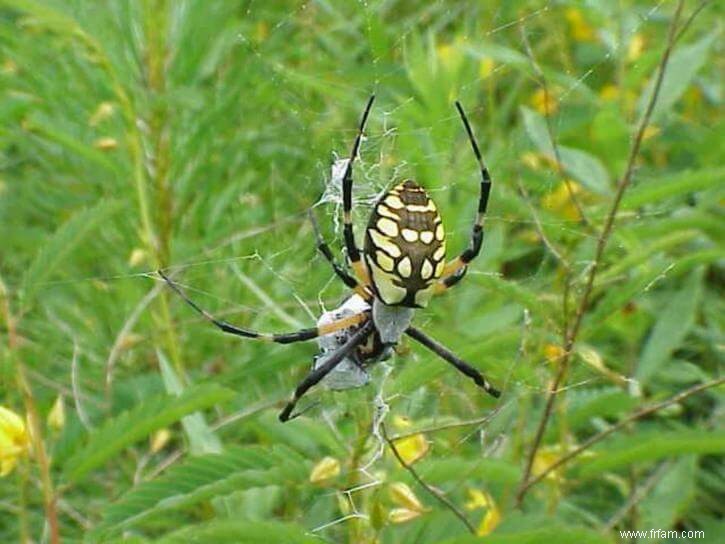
point(56, 416)
point(159, 439)
point(402, 495)
point(327, 468)
point(401, 515)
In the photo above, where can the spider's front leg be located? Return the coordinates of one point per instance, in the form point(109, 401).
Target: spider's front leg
point(314, 377)
point(341, 273)
point(455, 270)
point(279, 338)
point(353, 252)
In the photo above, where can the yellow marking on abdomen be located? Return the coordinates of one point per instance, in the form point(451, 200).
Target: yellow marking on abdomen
point(386, 244)
point(387, 226)
point(410, 235)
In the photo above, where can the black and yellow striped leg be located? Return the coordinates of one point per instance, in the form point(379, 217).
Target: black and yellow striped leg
point(474, 248)
point(353, 252)
point(314, 377)
point(341, 273)
point(450, 357)
point(284, 338)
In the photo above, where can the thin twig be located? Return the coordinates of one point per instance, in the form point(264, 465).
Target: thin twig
point(478, 421)
point(539, 227)
point(434, 492)
point(550, 127)
point(123, 333)
point(639, 414)
point(624, 182)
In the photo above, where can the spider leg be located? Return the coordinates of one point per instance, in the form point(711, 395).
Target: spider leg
point(346, 278)
point(314, 377)
point(283, 338)
point(352, 250)
point(454, 267)
point(449, 356)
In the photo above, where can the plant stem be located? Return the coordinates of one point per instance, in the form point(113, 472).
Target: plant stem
point(647, 410)
point(434, 492)
point(34, 423)
point(624, 182)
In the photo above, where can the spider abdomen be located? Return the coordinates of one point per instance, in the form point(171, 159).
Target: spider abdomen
point(405, 246)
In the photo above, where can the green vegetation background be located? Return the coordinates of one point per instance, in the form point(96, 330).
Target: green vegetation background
point(195, 135)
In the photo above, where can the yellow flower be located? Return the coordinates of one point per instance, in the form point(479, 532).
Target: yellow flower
point(325, 469)
point(56, 416)
point(485, 67)
point(481, 499)
point(560, 202)
point(553, 353)
point(544, 101)
point(544, 458)
point(14, 440)
point(636, 46)
point(609, 92)
point(412, 448)
point(581, 31)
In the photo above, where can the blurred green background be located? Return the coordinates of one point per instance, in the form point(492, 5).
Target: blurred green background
point(196, 135)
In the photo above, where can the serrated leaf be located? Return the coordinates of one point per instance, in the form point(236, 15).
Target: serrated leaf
point(62, 243)
point(202, 478)
point(138, 423)
point(671, 328)
point(648, 446)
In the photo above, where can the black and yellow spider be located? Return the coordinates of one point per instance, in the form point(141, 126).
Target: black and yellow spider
point(404, 265)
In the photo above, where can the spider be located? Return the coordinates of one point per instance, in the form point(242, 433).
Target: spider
point(401, 266)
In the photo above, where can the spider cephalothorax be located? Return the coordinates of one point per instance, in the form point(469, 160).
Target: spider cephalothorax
point(404, 266)
point(405, 246)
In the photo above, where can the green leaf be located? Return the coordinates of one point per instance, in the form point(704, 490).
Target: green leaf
point(681, 70)
point(648, 446)
point(452, 469)
point(202, 478)
point(670, 496)
point(673, 324)
point(62, 243)
point(134, 425)
point(582, 166)
point(201, 438)
point(652, 190)
point(241, 532)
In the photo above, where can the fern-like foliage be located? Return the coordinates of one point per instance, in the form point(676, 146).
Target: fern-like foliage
point(136, 424)
point(202, 478)
point(61, 244)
